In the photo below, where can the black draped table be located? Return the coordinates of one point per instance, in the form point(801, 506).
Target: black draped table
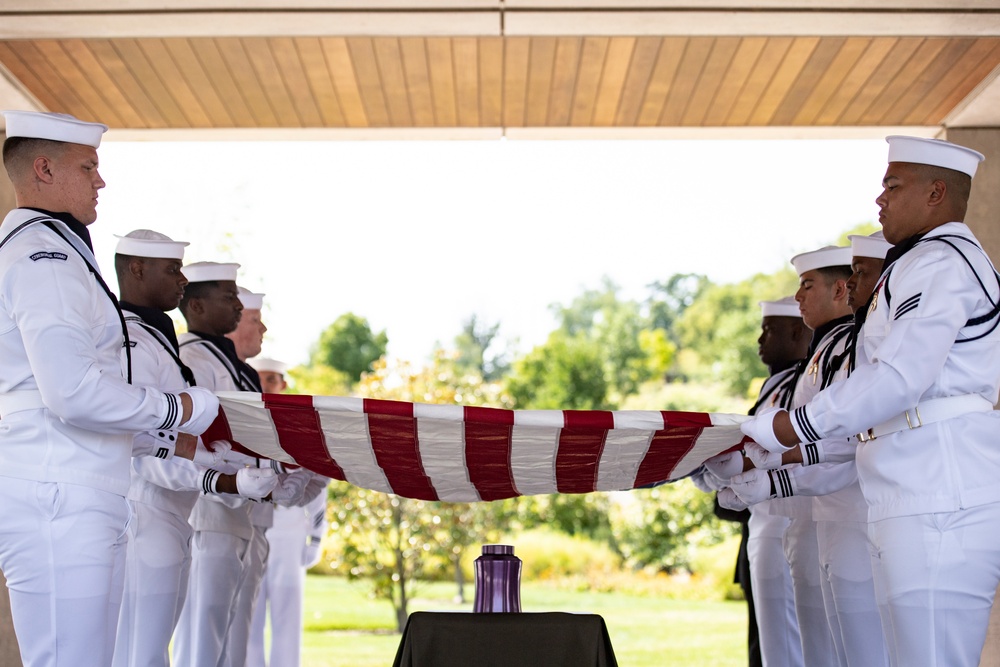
point(551, 639)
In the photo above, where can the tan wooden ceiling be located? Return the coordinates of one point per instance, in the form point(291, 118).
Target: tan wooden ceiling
point(377, 82)
point(324, 64)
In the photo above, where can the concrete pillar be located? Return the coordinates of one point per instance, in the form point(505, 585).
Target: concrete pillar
point(983, 218)
point(8, 643)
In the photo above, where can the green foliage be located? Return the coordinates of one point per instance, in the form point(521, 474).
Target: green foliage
point(722, 326)
point(661, 528)
point(548, 554)
point(319, 380)
point(350, 346)
point(670, 298)
point(566, 373)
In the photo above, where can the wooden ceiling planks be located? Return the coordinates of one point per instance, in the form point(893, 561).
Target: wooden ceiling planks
point(526, 81)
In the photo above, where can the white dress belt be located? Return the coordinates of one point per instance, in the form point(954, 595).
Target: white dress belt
point(928, 412)
point(19, 401)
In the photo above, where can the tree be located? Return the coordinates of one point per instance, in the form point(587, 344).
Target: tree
point(669, 299)
point(473, 345)
point(565, 373)
point(350, 346)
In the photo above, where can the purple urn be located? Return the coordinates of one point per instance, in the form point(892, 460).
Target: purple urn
point(498, 580)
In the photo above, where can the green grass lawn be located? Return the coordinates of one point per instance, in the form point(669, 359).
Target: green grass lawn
point(344, 628)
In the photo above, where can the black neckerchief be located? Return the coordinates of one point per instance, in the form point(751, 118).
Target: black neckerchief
point(900, 249)
point(155, 318)
point(822, 330)
point(74, 225)
point(227, 348)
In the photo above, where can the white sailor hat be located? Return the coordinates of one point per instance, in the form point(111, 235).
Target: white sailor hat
point(830, 255)
point(251, 300)
point(54, 127)
point(873, 245)
point(147, 243)
point(934, 152)
point(266, 364)
point(787, 307)
point(203, 272)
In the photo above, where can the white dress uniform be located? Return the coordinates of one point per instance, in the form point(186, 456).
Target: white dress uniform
point(801, 544)
point(161, 496)
point(294, 542)
point(222, 530)
point(68, 419)
point(829, 476)
point(770, 577)
point(932, 492)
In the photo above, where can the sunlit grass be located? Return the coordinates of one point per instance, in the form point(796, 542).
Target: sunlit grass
point(345, 628)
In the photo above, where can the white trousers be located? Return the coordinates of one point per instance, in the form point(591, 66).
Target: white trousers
point(281, 600)
point(238, 635)
point(802, 553)
point(941, 572)
point(156, 576)
point(62, 550)
point(217, 565)
point(849, 593)
point(774, 600)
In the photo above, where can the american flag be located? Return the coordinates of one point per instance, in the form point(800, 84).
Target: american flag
point(465, 454)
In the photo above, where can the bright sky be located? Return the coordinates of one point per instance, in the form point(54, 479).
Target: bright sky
point(417, 236)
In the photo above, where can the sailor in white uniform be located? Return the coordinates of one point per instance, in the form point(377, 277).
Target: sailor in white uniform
point(68, 411)
point(921, 401)
point(826, 471)
point(162, 492)
point(294, 546)
point(783, 345)
point(222, 527)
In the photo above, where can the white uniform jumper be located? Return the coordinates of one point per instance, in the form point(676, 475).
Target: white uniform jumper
point(926, 381)
point(801, 544)
point(770, 577)
point(68, 417)
point(294, 547)
point(222, 530)
point(829, 475)
point(161, 497)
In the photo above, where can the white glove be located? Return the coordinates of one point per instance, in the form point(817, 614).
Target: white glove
point(255, 483)
point(725, 466)
point(204, 410)
point(762, 459)
point(753, 486)
point(728, 499)
point(212, 454)
point(317, 485)
point(698, 479)
point(291, 487)
point(760, 429)
point(312, 552)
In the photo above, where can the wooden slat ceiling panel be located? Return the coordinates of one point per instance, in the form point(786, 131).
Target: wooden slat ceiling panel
point(529, 81)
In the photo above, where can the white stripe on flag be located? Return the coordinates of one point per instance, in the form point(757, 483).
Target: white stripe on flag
point(251, 423)
point(442, 453)
point(533, 457)
point(712, 441)
point(624, 450)
point(349, 445)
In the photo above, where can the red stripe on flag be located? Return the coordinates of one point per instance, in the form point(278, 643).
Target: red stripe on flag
point(666, 449)
point(601, 419)
point(393, 432)
point(680, 418)
point(487, 452)
point(300, 433)
point(578, 459)
point(220, 430)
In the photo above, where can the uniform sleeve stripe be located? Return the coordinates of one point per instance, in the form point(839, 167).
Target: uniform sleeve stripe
point(812, 454)
point(802, 420)
point(171, 418)
point(782, 483)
